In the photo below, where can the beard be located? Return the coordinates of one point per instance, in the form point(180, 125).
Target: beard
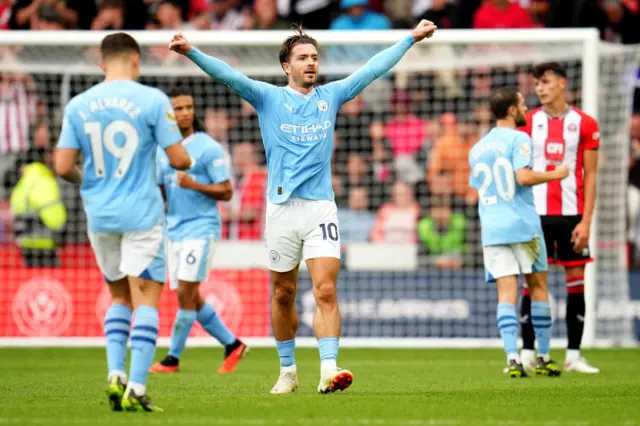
point(521, 120)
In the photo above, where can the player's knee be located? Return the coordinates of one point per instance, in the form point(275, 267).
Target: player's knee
point(284, 293)
point(325, 293)
point(188, 296)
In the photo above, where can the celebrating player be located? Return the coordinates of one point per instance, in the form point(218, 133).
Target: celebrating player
point(297, 123)
point(511, 231)
point(118, 125)
point(193, 226)
point(563, 133)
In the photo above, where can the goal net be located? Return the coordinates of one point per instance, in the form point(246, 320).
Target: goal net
point(412, 261)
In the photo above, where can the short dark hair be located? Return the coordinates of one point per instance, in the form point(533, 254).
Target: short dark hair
point(177, 91)
point(539, 70)
point(299, 38)
point(118, 44)
point(502, 99)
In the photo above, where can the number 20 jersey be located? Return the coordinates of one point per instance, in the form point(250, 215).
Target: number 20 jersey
point(507, 211)
point(118, 127)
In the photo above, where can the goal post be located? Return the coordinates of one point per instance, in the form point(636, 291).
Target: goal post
point(393, 292)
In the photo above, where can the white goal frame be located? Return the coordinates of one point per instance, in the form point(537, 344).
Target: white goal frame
point(590, 56)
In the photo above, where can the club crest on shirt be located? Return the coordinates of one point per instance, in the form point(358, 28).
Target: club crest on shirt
point(322, 106)
point(524, 148)
point(170, 116)
point(274, 256)
point(572, 127)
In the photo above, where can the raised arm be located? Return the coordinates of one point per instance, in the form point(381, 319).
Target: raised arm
point(248, 89)
point(381, 63)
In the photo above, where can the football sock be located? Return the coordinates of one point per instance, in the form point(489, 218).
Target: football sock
point(508, 327)
point(211, 322)
point(575, 312)
point(181, 328)
point(526, 326)
point(117, 322)
point(286, 349)
point(541, 319)
point(143, 347)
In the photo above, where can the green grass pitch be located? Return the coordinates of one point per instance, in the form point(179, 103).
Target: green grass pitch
point(392, 387)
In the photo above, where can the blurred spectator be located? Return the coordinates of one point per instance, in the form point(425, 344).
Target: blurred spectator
point(443, 233)
point(312, 14)
point(67, 13)
point(17, 112)
point(217, 124)
point(633, 192)
point(243, 215)
point(111, 16)
point(265, 16)
point(449, 157)
point(246, 127)
point(357, 16)
point(356, 221)
point(5, 13)
point(40, 139)
point(407, 134)
point(38, 213)
point(396, 221)
point(441, 13)
point(501, 14)
point(184, 5)
point(624, 17)
point(352, 125)
point(170, 16)
point(223, 16)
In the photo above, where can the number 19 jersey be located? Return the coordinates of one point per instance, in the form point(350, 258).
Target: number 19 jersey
point(507, 211)
point(118, 127)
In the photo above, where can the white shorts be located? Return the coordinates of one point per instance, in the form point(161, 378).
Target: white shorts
point(189, 260)
point(515, 259)
point(300, 229)
point(136, 254)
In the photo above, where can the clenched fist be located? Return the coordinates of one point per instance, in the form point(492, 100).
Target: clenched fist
point(184, 180)
point(424, 29)
point(179, 44)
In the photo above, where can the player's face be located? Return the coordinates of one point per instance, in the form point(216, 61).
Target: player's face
point(303, 65)
point(550, 87)
point(185, 111)
point(521, 112)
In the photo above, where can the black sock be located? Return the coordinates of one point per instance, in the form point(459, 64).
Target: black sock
point(232, 347)
point(170, 361)
point(526, 325)
point(575, 318)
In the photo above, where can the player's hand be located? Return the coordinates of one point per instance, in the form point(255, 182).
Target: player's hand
point(562, 171)
point(179, 44)
point(580, 237)
point(184, 180)
point(424, 29)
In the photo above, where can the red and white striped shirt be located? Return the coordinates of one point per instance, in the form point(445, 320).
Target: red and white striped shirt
point(17, 111)
point(561, 140)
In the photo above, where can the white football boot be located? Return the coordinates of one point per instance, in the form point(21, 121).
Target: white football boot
point(333, 378)
point(580, 365)
point(288, 380)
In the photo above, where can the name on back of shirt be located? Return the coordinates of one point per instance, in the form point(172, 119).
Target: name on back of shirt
point(122, 104)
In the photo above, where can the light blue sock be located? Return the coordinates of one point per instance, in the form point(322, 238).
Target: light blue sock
point(143, 343)
point(117, 322)
point(211, 322)
point(181, 329)
point(508, 326)
point(286, 349)
point(328, 347)
point(541, 319)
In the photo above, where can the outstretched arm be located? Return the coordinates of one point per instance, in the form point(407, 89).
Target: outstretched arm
point(248, 89)
point(381, 63)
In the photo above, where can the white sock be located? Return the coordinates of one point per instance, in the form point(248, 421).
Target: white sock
point(328, 366)
point(138, 388)
point(117, 373)
point(527, 354)
point(513, 357)
point(545, 357)
point(572, 355)
point(289, 369)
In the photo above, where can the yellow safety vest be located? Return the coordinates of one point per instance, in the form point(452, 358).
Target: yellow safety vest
point(38, 212)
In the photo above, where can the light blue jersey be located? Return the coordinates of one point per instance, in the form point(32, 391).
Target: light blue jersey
point(507, 211)
point(118, 126)
point(191, 214)
point(297, 130)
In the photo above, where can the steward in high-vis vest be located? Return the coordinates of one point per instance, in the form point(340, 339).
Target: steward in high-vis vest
point(39, 215)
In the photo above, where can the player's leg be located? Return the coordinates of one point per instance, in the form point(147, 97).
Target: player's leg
point(528, 354)
point(321, 251)
point(117, 321)
point(502, 268)
point(574, 266)
point(284, 247)
point(143, 260)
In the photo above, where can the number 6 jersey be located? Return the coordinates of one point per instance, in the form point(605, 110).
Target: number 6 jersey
point(118, 126)
point(507, 212)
